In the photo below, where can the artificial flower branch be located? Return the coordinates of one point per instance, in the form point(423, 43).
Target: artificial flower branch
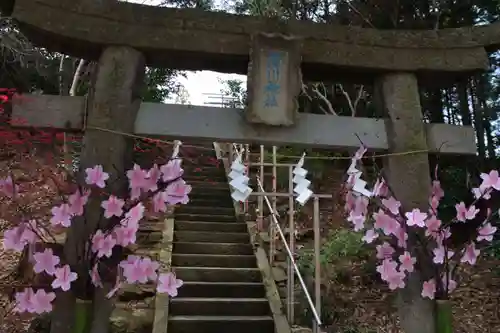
point(392, 224)
point(163, 186)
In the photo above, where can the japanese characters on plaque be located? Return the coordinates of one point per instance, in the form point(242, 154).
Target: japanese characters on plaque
point(274, 60)
point(273, 81)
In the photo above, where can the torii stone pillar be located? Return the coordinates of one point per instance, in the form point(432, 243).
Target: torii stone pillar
point(409, 179)
point(114, 104)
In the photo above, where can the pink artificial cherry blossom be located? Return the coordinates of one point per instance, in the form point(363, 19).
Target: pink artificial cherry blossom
point(360, 153)
point(135, 193)
point(96, 176)
point(486, 232)
point(97, 240)
point(150, 268)
point(106, 246)
point(439, 254)
point(357, 220)
point(168, 283)
point(396, 280)
point(18, 237)
point(387, 268)
point(134, 215)
point(77, 201)
point(464, 214)
point(380, 188)
point(491, 180)
point(113, 207)
point(7, 187)
point(95, 277)
point(407, 262)
point(350, 201)
point(64, 277)
point(434, 204)
point(152, 178)
point(61, 215)
point(432, 224)
point(470, 254)
point(401, 236)
point(361, 205)
point(429, 289)
point(369, 236)
point(441, 235)
point(134, 270)
point(392, 205)
point(385, 251)
point(42, 301)
point(125, 235)
point(480, 192)
point(437, 191)
point(45, 261)
point(177, 192)
point(416, 218)
point(24, 300)
point(159, 202)
point(448, 283)
point(172, 170)
point(385, 222)
point(137, 177)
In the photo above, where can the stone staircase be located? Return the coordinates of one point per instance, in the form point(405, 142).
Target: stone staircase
point(223, 288)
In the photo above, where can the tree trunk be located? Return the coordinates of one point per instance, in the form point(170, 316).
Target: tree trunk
point(478, 118)
point(114, 104)
point(464, 102)
point(409, 179)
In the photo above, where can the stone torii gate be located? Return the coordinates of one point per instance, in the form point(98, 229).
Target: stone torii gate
point(276, 55)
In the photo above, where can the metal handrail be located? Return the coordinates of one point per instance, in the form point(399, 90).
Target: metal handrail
point(290, 256)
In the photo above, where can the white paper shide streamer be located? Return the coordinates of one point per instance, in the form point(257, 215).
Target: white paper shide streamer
point(301, 183)
point(358, 184)
point(239, 181)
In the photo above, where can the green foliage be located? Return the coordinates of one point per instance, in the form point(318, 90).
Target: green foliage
point(237, 92)
point(340, 246)
point(160, 84)
point(494, 249)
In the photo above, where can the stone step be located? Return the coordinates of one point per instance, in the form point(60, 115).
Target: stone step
point(223, 184)
point(146, 236)
point(196, 306)
point(214, 196)
point(214, 260)
point(206, 170)
point(212, 210)
point(209, 226)
point(206, 218)
point(216, 178)
point(211, 201)
point(211, 237)
point(201, 190)
point(218, 274)
point(222, 289)
point(219, 324)
point(212, 248)
point(151, 226)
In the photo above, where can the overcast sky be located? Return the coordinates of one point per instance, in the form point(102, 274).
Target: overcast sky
point(200, 82)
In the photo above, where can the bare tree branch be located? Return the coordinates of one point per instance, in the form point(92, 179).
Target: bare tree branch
point(352, 106)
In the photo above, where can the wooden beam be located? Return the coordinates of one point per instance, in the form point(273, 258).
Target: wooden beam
point(192, 39)
point(229, 125)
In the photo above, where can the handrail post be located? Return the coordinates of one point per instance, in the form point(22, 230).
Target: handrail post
point(260, 198)
point(317, 266)
point(289, 253)
point(272, 237)
point(291, 235)
point(247, 164)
